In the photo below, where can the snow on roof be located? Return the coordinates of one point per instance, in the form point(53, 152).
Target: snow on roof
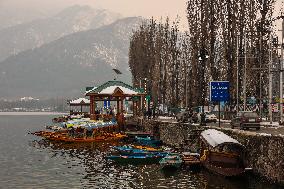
point(111, 89)
point(215, 138)
point(80, 101)
point(110, 86)
point(93, 88)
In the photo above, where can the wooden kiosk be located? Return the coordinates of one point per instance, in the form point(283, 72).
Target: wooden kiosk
point(80, 102)
point(117, 91)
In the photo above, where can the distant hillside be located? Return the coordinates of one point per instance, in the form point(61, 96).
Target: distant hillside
point(38, 32)
point(67, 65)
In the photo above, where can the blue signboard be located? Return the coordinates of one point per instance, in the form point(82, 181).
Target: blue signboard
point(105, 103)
point(219, 91)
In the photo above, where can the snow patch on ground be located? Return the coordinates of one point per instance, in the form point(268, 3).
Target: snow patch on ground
point(273, 124)
point(165, 117)
point(264, 134)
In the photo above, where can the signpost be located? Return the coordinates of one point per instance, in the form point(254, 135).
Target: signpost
point(219, 91)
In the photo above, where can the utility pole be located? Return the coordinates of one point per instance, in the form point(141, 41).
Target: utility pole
point(260, 76)
point(245, 75)
point(281, 75)
point(281, 69)
point(186, 103)
point(237, 73)
point(270, 79)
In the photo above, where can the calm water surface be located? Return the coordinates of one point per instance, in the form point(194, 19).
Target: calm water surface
point(27, 161)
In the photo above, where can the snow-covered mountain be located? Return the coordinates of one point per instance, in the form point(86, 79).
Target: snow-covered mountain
point(65, 66)
point(34, 34)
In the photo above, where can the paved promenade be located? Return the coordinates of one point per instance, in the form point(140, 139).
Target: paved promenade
point(265, 129)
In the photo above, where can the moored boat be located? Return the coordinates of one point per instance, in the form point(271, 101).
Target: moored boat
point(148, 141)
point(135, 158)
point(222, 154)
point(64, 137)
point(191, 159)
point(146, 148)
point(172, 160)
point(130, 150)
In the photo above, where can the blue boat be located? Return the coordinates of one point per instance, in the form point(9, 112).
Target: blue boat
point(129, 150)
point(148, 141)
point(128, 154)
point(172, 160)
point(136, 158)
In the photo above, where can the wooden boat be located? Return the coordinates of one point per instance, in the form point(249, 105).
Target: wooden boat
point(64, 137)
point(146, 148)
point(222, 154)
point(96, 139)
point(172, 160)
point(148, 141)
point(191, 159)
point(138, 134)
point(131, 135)
point(135, 158)
point(129, 150)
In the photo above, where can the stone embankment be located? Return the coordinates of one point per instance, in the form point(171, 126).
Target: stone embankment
point(264, 153)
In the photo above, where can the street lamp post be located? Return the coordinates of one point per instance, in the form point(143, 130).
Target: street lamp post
point(281, 68)
point(203, 56)
point(270, 80)
point(281, 74)
point(238, 73)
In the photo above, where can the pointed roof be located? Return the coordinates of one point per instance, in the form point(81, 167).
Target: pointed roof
point(79, 101)
point(112, 87)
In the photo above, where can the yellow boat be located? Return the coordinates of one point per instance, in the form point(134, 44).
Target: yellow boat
point(146, 148)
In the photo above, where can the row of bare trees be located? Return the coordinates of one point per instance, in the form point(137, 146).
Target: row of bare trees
point(176, 66)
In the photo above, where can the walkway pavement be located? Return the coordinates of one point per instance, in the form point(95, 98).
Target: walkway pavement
point(265, 129)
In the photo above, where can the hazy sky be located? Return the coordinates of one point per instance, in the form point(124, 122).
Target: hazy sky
point(145, 8)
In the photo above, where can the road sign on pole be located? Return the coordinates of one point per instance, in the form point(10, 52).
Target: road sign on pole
point(219, 92)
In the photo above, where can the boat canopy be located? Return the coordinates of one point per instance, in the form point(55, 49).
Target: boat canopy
point(216, 138)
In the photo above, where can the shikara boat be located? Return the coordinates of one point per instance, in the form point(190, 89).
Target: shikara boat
point(222, 154)
point(64, 137)
point(130, 150)
point(191, 159)
point(171, 160)
point(148, 141)
point(146, 148)
point(135, 158)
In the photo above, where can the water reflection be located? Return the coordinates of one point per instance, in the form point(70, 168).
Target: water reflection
point(99, 173)
point(27, 161)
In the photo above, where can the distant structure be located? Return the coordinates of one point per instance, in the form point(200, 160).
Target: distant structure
point(26, 99)
point(80, 102)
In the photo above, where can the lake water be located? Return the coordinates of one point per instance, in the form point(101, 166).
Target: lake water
point(27, 161)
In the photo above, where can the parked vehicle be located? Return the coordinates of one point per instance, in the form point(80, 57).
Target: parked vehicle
point(246, 120)
point(187, 116)
point(221, 154)
point(209, 117)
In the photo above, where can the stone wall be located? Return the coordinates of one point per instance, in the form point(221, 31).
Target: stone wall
point(264, 153)
point(173, 134)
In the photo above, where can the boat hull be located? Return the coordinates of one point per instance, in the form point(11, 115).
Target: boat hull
point(224, 171)
point(134, 159)
point(170, 166)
